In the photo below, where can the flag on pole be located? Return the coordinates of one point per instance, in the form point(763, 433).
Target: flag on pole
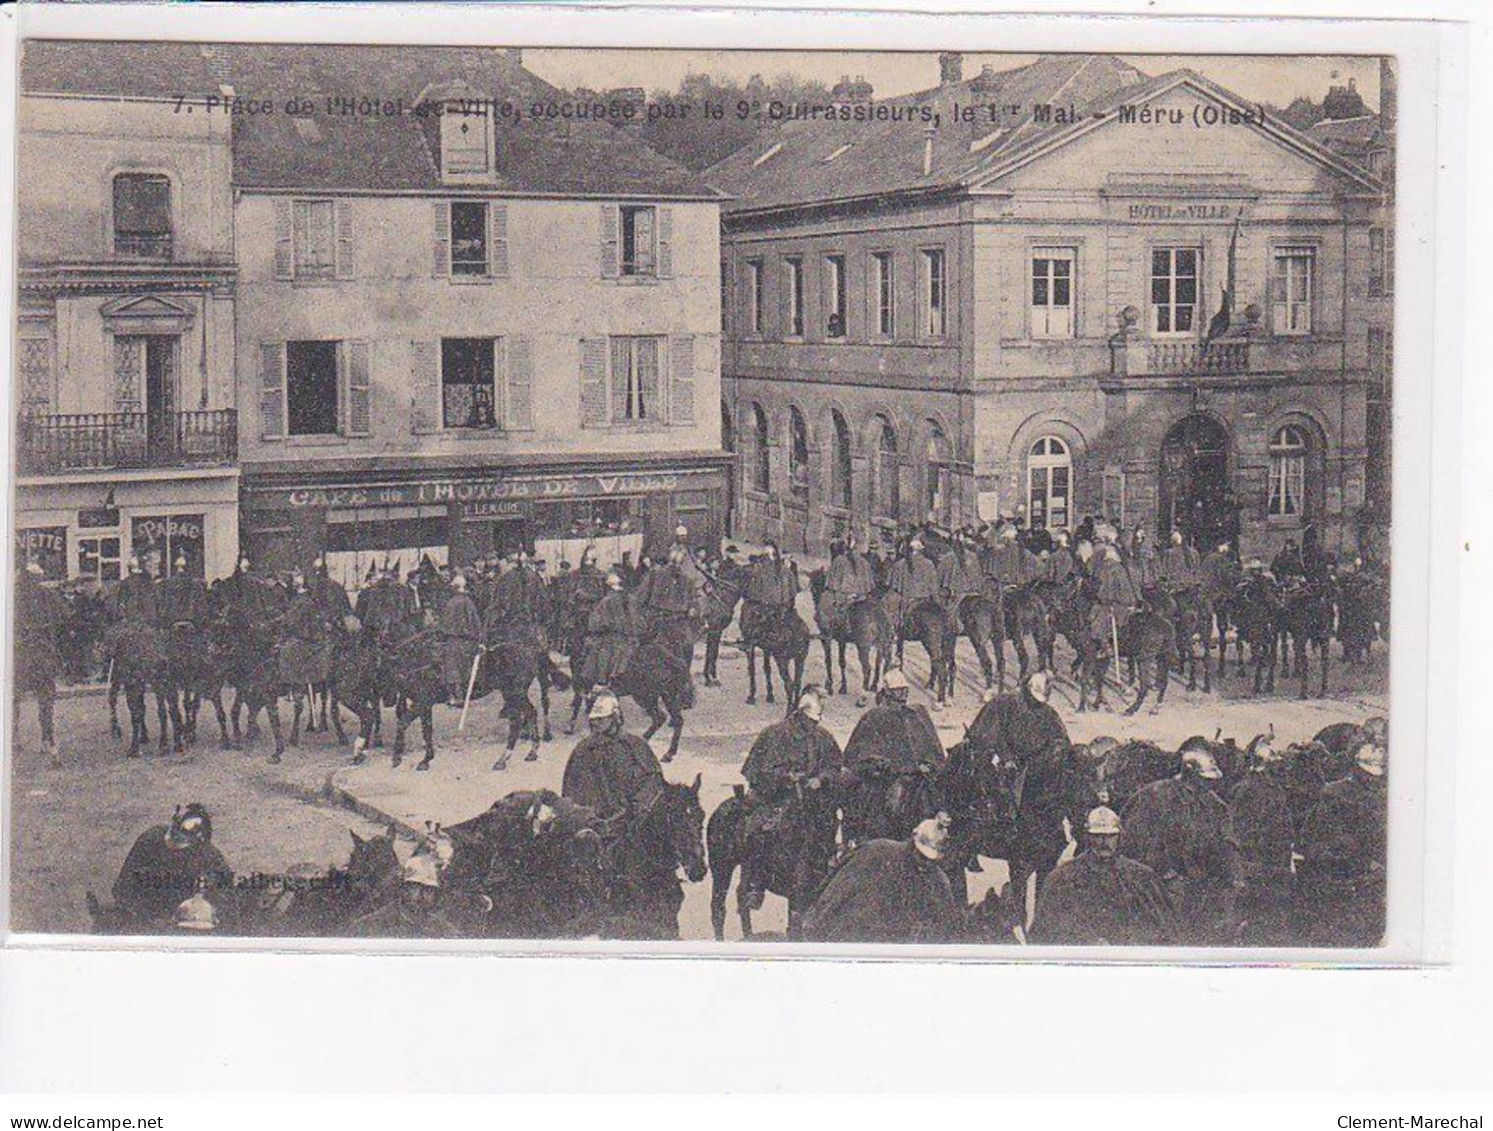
point(1219, 326)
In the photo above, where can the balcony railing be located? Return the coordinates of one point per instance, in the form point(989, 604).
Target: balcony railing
point(143, 245)
point(1198, 357)
point(48, 445)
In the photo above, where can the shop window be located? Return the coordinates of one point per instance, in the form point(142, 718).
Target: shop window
point(1049, 484)
point(315, 239)
point(635, 379)
point(158, 540)
point(1052, 292)
point(469, 238)
point(840, 468)
point(935, 293)
point(640, 241)
point(45, 546)
point(1288, 453)
point(311, 388)
point(761, 446)
point(798, 455)
point(99, 558)
point(884, 280)
point(142, 216)
point(1292, 290)
point(834, 296)
point(468, 382)
point(1174, 290)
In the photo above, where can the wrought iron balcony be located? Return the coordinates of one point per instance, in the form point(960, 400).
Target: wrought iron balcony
point(49, 445)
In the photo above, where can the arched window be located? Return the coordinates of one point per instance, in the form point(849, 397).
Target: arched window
point(1288, 452)
point(839, 479)
point(937, 498)
point(761, 471)
point(1049, 484)
point(798, 455)
point(885, 489)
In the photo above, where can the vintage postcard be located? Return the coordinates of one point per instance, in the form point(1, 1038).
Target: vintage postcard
point(527, 494)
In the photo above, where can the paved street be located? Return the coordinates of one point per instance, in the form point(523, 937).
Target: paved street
point(73, 827)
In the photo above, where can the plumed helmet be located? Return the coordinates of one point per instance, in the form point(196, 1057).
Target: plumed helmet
point(614, 581)
point(180, 562)
point(195, 913)
point(894, 680)
point(459, 583)
point(931, 835)
point(1197, 754)
point(1176, 537)
point(1037, 685)
point(134, 564)
point(1102, 821)
point(1262, 749)
point(681, 531)
point(604, 706)
point(811, 702)
point(423, 869)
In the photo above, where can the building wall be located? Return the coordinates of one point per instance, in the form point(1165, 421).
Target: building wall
point(554, 296)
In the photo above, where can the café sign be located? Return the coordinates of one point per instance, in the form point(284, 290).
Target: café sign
point(473, 491)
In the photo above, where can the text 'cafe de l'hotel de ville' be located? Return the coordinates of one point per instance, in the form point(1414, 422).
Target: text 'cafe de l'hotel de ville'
point(376, 338)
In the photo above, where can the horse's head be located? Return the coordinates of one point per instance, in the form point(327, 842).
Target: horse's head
point(373, 861)
point(684, 825)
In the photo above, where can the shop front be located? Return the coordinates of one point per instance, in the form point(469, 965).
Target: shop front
point(87, 531)
point(367, 520)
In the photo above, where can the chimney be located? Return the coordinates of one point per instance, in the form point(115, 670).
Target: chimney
point(847, 92)
point(1389, 96)
point(985, 81)
point(950, 68)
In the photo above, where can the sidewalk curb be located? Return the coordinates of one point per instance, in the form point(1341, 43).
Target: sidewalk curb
point(346, 799)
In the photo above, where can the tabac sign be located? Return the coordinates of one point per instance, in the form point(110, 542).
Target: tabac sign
point(470, 491)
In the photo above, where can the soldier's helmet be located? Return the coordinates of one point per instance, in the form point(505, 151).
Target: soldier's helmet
point(1371, 758)
point(1198, 756)
point(195, 913)
point(614, 581)
point(894, 680)
point(192, 825)
point(1102, 821)
point(604, 706)
point(422, 869)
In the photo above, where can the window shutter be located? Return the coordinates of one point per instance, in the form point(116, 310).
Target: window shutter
point(359, 390)
point(497, 238)
point(665, 243)
point(518, 401)
point(610, 221)
point(425, 378)
point(440, 247)
point(682, 380)
point(284, 239)
point(593, 382)
point(272, 390)
point(622, 361)
point(129, 353)
point(344, 250)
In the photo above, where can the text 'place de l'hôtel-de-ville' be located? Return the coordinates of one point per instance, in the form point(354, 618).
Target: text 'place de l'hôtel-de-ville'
point(438, 334)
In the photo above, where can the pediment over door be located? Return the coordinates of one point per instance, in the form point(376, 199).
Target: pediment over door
point(147, 314)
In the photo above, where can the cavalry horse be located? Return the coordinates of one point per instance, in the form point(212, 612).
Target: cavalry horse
point(1148, 642)
point(140, 665)
point(641, 854)
point(862, 623)
point(782, 637)
point(929, 623)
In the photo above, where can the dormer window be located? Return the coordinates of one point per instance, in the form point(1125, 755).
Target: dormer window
point(142, 216)
point(466, 140)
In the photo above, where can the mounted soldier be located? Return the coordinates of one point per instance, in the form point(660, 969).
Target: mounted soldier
point(849, 581)
point(1260, 809)
point(1116, 597)
point(1341, 876)
point(1287, 565)
point(461, 635)
point(518, 604)
point(1060, 562)
point(1179, 564)
point(167, 865)
point(669, 598)
point(893, 758)
point(384, 604)
point(415, 912)
point(182, 598)
point(1101, 897)
point(771, 589)
point(912, 580)
point(1144, 567)
point(959, 576)
point(610, 770)
point(613, 630)
point(330, 594)
point(136, 598)
point(1007, 562)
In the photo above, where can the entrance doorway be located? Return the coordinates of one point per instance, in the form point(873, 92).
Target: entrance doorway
point(1195, 493)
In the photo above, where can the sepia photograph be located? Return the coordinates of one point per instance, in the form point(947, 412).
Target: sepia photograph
point(759, 499)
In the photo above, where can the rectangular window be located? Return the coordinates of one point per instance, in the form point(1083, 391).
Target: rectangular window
point(311, 388)
point(1378, 263)
point(46, 547)
point(1052, 292)
point(635, 379)
point(98, 558)
point(464, 140)
point(315, 239)
point(883, 278)
point(834, 296)
point(935, 288)
point(468, 238)
point(159, 540)
point(640, 241)
point(754, 296)
point(1174, 289)
point(794, 281)
point(142, 215)
point(468, 385)
point(1287, 484)
point(1292, 295)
